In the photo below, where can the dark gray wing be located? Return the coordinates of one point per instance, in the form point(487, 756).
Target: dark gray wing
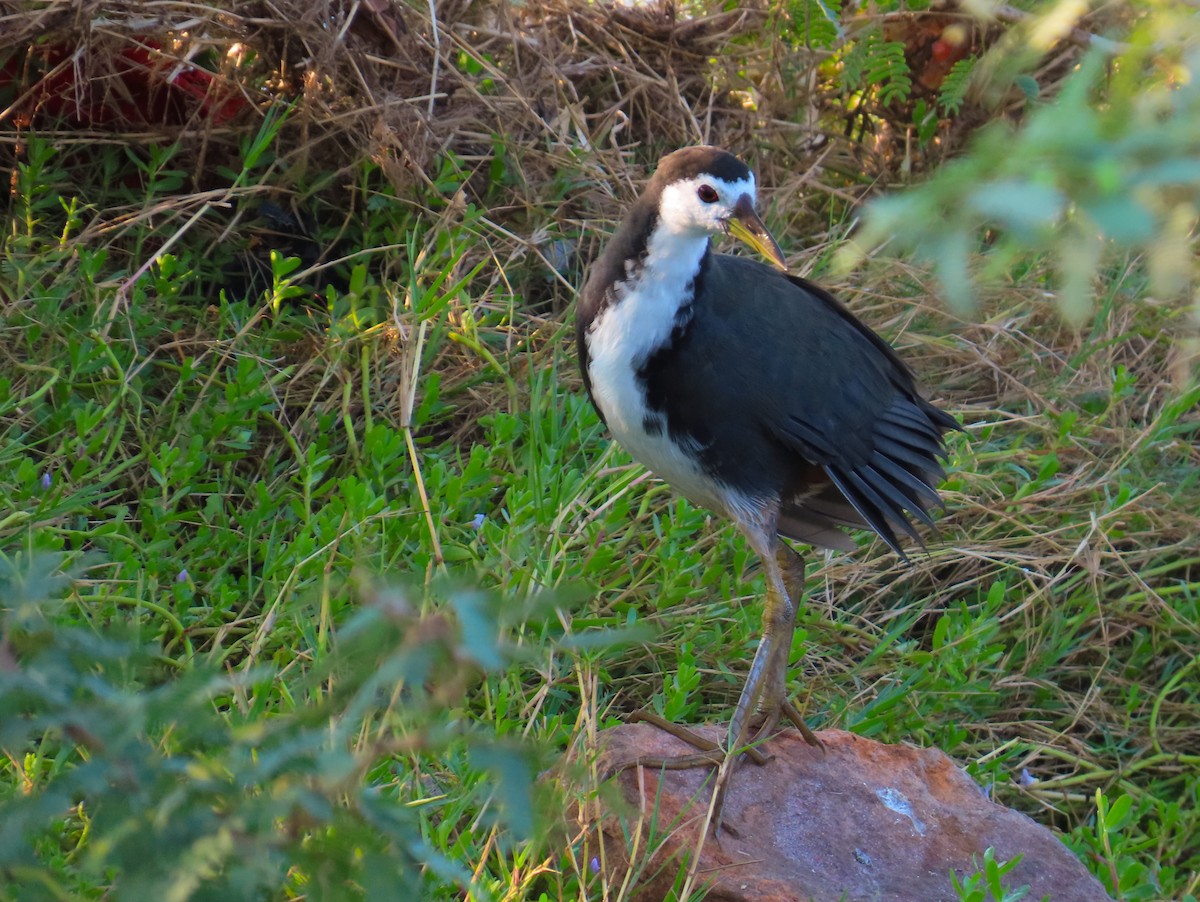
point(774, 356)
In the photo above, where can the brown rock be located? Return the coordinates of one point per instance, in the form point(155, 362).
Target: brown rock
point(861, 821)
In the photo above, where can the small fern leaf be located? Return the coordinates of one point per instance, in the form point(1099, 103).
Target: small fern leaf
point(854, 63)
point(954, 87)
point(888, 69)
point(816, 23)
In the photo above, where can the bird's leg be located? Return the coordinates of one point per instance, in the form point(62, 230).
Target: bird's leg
point(766, 683)
point(774, 701)
point(762, 682)
point(778, 618)
point(764, 693)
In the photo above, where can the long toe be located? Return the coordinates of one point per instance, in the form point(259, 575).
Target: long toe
point(793, 714)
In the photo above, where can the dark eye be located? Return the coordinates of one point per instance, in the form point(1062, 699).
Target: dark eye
point(708, 194)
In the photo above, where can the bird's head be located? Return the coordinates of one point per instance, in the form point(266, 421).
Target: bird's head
point(705, 190)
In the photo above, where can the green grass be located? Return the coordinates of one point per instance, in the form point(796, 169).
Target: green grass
point(277, 498)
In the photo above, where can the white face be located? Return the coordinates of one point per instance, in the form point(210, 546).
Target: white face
point(702, 204)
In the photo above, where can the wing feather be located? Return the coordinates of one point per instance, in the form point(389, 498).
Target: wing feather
point(788, 396)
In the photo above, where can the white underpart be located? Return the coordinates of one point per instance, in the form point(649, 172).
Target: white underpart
point(639, 321)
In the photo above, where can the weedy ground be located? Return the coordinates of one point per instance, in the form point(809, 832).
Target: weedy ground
point(351, 558)
point(230, 472)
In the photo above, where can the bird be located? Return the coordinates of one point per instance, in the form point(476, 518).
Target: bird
point(754, 393)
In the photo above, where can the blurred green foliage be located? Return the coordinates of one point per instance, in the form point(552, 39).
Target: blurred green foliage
point(1110, 162)
point(185, 789)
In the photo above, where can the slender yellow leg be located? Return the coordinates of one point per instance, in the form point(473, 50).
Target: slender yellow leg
point(775, 700)
point(765, 691)
point(766, 682)
point(763, 695)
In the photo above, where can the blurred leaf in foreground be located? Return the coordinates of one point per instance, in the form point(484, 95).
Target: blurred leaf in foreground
point(172, 785)
point(1111, 162)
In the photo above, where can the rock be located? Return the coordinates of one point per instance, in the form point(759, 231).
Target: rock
point(861, 821)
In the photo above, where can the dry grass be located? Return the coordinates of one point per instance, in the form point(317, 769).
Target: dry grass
point(551, 87)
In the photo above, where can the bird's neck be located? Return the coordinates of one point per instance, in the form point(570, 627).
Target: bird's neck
point(655, 299)
point(673, 258)
point(643, 304)
point(639, 297)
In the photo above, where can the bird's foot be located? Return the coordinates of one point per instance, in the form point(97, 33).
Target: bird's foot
point(711, 754)
point(707, 754)
point(768, 721)
point(761, 727)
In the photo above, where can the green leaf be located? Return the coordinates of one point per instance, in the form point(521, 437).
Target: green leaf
point(1018, 204)
point(950, 260)
point(953, 91)
point(1028, 86)
point(1118, 814)
point(1180, 171)
point(1121, 218)
point(513, 785)
point(479, 629)
point(815, 23)
point(1079, 257)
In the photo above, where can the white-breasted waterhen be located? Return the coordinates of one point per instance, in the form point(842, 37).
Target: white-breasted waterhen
point(754, 393)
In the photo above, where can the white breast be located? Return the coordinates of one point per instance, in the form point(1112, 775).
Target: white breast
point(620, 341)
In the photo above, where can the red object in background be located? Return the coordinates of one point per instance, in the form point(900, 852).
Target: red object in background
point(944, 51)
point(933, 43)
point(136, 85)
